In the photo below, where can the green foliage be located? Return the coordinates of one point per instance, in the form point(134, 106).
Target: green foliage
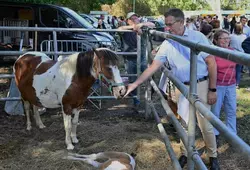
point(143, 7)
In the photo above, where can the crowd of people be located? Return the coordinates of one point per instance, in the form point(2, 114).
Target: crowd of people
point(217, 78)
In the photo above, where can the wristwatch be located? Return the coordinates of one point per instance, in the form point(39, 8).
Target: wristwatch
point(212, 89)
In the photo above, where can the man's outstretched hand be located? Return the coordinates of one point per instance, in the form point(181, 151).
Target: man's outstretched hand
point(130, 88)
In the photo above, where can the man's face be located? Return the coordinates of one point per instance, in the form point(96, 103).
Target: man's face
point(133, 20)
point(174, 26)
point(243, 21)
point(209, 19)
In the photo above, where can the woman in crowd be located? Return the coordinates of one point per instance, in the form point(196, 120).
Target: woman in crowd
point(226, 83)
point(236, 40)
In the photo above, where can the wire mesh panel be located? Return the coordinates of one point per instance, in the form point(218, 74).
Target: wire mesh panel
point(80, 46)
point(76, 45)
point(14, 37)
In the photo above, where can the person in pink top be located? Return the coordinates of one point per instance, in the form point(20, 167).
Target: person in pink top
point(226, 84)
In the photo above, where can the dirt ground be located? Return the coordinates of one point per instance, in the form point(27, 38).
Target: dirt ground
point(117, 127)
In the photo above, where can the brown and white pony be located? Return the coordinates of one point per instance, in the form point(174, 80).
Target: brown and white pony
point(64, 83)
point(113, 160)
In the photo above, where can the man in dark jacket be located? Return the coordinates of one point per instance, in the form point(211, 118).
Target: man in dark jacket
point(130, 45)
point(246, 47)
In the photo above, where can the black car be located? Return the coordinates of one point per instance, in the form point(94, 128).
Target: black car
point(44, 15)
point(159, 26)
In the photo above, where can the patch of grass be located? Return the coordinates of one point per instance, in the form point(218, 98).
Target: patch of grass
point(243, 102)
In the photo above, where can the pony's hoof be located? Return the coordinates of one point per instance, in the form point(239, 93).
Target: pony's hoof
point(42, 126)
point(70, 147)
point(74, 139)
point(29, 127)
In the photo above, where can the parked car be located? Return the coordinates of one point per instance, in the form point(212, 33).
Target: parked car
point(52, 16)
point(160, 26)
point(92, 20)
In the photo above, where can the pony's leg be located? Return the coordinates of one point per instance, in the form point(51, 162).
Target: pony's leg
point(68, 127)
point(86, 160)
point(74, 126)
point(27, 112)
point(37, 117)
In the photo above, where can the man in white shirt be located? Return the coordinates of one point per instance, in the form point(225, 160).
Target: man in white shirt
point(178, 57)
point(246, 28)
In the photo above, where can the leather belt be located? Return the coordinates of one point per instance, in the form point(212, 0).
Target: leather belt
point(199, 80)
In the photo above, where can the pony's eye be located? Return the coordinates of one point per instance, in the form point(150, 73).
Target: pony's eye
point(109, 69)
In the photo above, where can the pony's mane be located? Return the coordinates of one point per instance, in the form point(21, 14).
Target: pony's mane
point(85, 60)
point(110, 57)
point(84, 63)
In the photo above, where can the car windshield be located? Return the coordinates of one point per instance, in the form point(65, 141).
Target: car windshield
point(85, 23)
point(92, 18)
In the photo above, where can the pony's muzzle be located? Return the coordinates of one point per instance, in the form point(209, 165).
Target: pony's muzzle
point(119, 91)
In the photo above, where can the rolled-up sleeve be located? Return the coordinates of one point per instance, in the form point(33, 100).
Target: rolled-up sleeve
point(162, 53)
point(204, 41)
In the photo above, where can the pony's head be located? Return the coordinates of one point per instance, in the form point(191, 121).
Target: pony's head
point(106, 66)
point(102, 65)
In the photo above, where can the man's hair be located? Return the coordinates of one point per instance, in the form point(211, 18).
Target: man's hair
point(175, 12)
point(215, 24)
point(243, 17)
point(206, 28)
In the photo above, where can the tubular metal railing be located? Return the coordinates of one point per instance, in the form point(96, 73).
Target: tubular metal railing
point(52, 47)
point(195, 103)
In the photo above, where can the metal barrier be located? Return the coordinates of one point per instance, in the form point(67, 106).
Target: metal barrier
point(52, 47)
point(76, 45)
point(195, 103)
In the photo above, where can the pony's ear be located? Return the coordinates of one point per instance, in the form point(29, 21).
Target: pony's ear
point(97, 53)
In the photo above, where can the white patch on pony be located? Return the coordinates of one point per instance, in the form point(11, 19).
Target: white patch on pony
point(52, 84)
point(93, 71)
point(132, 161)
point(69, 67)
point(116, 165)
point(120, 90)
point(116, 74)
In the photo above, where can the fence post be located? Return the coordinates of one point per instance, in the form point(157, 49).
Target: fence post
point(192, 110)
point(55, 45)
point(138, 63)
point(146, 50)
point(148, 100)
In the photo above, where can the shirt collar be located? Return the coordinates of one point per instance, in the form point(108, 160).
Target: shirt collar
point(185, 31)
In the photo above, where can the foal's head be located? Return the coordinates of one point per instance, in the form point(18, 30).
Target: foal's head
point(103, 65)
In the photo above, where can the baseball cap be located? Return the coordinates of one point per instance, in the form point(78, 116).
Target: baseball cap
point(130, 14)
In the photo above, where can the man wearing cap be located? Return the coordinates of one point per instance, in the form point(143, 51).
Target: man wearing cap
point(246, 28)
point(130, 45)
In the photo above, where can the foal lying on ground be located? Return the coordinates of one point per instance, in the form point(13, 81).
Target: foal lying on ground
point(65, 83)
point(115, 160)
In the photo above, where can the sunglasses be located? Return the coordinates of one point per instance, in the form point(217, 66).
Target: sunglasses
point(170, 24)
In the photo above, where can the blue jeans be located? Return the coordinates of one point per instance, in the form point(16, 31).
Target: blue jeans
point(226, 95)
point(238, 73)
